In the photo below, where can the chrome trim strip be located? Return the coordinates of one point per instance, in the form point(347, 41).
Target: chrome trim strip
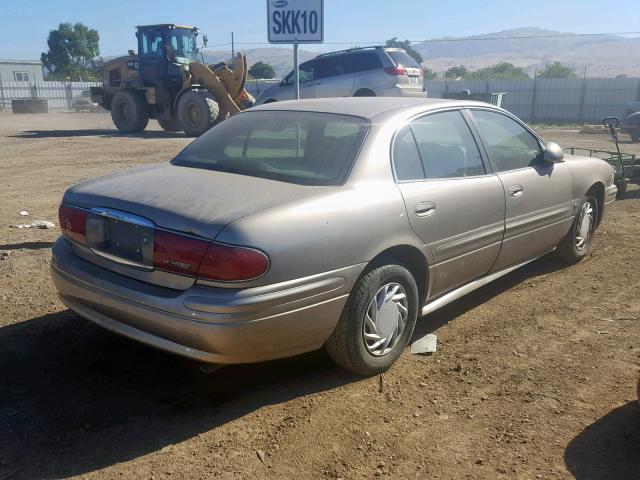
point(122, 261)
point(124, 216)
point(469, 287)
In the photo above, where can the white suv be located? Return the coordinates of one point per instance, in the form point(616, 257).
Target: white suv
point(357, 72)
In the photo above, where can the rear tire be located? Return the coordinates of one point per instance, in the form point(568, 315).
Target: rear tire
point(368, 314)
point(169, 125)
point(197, 112)
point(365, 92)
point(129, 111)
point(577, 242)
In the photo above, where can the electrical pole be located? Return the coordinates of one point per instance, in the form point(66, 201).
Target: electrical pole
point(295, 69)
point(233, 50)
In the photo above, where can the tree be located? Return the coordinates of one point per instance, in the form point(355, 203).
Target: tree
point(261, 70)
point(502, 70)
point(456, 72)
point(428, 74)
point(73, 50)
point(557, 70)
point(406, 45)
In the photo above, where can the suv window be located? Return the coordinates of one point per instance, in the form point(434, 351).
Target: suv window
point(362, 61)
point(447, 146)
point(402, 59)
point(307, 72)
point(406, 158)
point(331, 66)
point(509, 145)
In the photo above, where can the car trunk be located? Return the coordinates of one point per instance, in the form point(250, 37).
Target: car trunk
point(130, 209)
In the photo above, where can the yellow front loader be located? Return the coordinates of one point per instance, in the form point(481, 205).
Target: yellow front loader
point(165, 81)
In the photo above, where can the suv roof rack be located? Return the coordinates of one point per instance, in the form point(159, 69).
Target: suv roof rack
point(354, 49)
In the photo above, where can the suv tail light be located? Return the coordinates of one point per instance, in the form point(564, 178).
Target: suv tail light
point(73, 223)
point(396, 70)
point(228, 263)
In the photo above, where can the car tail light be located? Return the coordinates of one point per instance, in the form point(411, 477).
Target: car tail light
point(396, 70)
point(73, 223)
point(228, 263)
point(177, 253)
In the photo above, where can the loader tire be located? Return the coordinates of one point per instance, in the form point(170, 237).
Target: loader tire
point(169, 125)
point(197, 112)
point(129, 111)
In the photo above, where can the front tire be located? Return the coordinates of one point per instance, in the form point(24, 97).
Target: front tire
point(129, 111)
point(377, 322)
point(577, 242)
point(197, 112)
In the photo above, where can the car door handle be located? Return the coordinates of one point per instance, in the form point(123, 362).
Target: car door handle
point(516, 191)
point(424, 209)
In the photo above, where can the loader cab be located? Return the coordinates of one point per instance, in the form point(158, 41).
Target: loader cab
point(162, 50)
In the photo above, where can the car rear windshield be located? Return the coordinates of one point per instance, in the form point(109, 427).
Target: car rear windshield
point(297, 147)
point(402, 59)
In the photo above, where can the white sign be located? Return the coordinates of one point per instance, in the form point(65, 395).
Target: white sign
point(295, 21)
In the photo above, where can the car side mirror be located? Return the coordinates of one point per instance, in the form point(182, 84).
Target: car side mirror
point(552, 153)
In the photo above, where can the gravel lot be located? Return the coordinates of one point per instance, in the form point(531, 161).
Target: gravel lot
point(534, 377)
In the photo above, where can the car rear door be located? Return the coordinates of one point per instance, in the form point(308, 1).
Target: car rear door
point(539, 203)
point(454, 203)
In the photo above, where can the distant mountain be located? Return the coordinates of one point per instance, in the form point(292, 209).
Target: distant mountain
point(602, 55)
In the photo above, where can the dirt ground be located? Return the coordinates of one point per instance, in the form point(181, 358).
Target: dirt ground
point(534, 377)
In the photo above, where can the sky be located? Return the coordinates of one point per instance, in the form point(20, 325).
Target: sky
point(26, 23)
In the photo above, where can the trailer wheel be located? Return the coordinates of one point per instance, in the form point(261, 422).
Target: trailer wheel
point(197, 112)
point(169, 125)
point(129, 111)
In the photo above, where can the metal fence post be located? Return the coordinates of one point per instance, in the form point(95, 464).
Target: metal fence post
point(582, 95)
point(68, 95)
point(534, 95)
point(2, 94)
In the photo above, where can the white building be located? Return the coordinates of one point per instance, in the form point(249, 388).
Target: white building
point(21, 71)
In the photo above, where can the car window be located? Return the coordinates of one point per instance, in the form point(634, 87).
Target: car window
point(447, 146)
point(406, 158)
point(402, 59)
point(362, 61)
point(308, 148)
point(509, 144)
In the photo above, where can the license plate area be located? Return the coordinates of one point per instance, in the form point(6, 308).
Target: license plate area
point(121, 239)
point(413, 80)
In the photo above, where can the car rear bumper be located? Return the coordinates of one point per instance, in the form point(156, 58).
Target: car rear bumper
point(217, 325)
point(401, 91)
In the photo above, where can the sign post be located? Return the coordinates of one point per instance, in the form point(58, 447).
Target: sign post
point(295, 21)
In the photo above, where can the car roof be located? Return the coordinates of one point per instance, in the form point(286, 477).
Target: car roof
point(365, 107)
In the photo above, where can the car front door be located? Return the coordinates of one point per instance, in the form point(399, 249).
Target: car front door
point(454, 203)
point(539, 203)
